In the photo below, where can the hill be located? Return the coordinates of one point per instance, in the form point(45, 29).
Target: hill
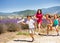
point(51, 10)
point(25, 12)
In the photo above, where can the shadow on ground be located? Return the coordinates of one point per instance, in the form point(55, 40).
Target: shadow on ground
point(48, 35)
point(24, 40)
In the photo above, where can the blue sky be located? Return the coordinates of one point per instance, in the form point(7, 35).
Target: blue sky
point(18, 5)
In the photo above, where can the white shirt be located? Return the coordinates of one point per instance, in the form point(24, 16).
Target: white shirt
point(30, 23)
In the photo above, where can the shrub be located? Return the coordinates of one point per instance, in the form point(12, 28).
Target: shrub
point(18, 27)
point(44, 25)
point(12, 27)
point(24, 26)
point(3, 28)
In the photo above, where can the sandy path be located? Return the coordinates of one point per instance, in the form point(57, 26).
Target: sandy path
point(38, 39)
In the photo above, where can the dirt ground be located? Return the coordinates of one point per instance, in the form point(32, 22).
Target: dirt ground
point(38, 39)
point(12, 37)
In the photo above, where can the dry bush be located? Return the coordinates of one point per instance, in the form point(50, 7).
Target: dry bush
point(12, 27)
point(44, 25)
point(24, 26)
point(3, 28)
